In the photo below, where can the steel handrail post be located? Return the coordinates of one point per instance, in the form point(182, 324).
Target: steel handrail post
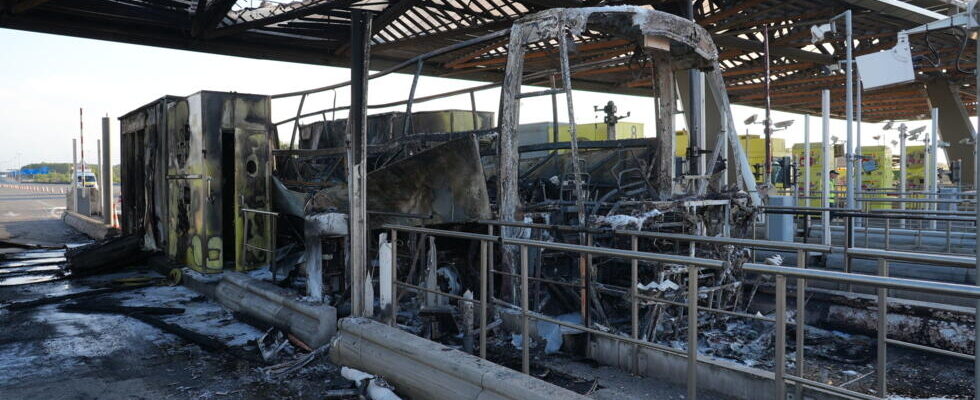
point(692, 332)
point(801, 262)
point(525, 329)
point(882, 326)
point(780, 352)
point(634, 302)
point(483, 299)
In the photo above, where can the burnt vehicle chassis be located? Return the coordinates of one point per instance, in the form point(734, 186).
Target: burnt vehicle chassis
point(578, 193)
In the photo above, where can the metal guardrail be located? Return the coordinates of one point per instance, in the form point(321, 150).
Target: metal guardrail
point(800, 273)
point(926, 222)
point(762, 244)
point(937, 259)
point(882, 282)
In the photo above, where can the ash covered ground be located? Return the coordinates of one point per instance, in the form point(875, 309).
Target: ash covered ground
point(46, 352)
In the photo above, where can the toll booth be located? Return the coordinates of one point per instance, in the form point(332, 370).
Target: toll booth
point(192, 166)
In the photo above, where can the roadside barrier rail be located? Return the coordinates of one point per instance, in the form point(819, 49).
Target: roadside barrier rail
point(695, 266)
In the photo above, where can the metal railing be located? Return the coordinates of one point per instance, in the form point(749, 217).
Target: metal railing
point(884, 258)
point(395, 283)
point(882, 283)
point(695, 266)
point(954, 222)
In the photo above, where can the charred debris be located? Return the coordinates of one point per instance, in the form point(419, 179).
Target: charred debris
point(457, 170)
point(458, 225)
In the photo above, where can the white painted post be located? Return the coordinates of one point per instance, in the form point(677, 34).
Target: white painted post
point(314, 262)
point(384, 271)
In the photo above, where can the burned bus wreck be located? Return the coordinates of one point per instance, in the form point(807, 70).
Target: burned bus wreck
point(450, 197)
point(418, 245)
point(465, 230)
point(453, 168)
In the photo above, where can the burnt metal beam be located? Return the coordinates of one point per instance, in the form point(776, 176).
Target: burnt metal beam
point(750, 69)
point(382, 21)
point(788, 52)
point(590, 145)
point(207, 18)
point(729, 11)
point(390, 14)
point(663, 167)
point(197, 20)
point(254, 45)
point(25, 5)
point(553, 3)
point(436, 40)
point(295, 13)
point(693, 108)
point(357, 157)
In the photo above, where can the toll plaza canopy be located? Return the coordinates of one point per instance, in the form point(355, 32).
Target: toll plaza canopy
point(318, 32)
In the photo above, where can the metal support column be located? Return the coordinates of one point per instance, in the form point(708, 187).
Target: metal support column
point(800, 317)
point(555, 136)
point(692, 331)
point(932, 173)
point(902, 170)
point(881, 367)
point(695, 112)
point(74, 170)
point(976, 186)
point(635, 302)
point(81, 150)
point(697, 163)
point(105, 163)
point(525, 308)
point(484, 277)
point(357, 157)
point(825, 166)
point(767, 173)
point(779, 370)
point(806, 156)
point(806, 171)
point(858, 153)
point(849, 110)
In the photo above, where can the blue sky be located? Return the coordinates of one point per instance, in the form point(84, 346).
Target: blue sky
point(46, 78)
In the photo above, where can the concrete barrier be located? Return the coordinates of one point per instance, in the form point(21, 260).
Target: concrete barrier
point(314, 324)
point(89, 226)
point(423, 369)
point(731, 380)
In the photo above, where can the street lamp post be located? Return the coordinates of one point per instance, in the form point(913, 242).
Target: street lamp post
point(770, 128)
point(904, 135)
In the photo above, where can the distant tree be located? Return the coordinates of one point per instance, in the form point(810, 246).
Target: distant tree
point(61, 172)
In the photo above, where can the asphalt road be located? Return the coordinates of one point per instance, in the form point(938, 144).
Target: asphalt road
point(34, 217)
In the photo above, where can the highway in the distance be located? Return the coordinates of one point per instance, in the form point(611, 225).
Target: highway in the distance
point(34, 217)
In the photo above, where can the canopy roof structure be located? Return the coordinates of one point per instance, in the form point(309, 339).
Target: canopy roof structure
point(318, 31)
